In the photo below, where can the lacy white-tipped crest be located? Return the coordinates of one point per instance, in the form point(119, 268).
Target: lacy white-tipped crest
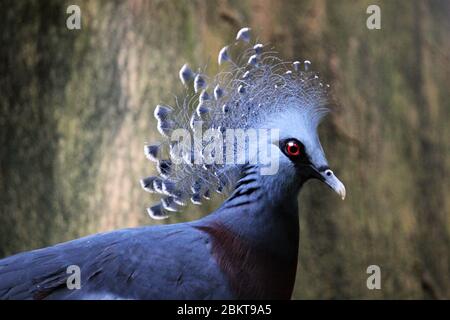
point(255, 86)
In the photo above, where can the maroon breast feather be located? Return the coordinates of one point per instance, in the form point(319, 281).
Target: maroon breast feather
point(253, 272)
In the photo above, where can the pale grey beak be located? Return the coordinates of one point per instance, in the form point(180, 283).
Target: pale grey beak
point(333, 182)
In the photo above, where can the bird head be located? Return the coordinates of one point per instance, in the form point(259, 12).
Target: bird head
point(259, 105)
point(298, 148)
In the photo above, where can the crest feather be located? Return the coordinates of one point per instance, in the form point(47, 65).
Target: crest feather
point(255, 86)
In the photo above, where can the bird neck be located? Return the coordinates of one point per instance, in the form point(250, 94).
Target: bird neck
point(255, 235)
point(261, 210)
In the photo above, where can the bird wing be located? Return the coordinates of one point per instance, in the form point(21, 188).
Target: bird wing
point(164, 262)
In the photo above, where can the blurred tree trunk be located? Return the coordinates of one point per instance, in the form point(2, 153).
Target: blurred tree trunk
point(76, 109)
point(32, 78)
point(433, 269)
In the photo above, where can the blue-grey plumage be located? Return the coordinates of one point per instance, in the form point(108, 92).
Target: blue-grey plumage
point(258, 48)
point(180, 261)
point(225, 108)
point(169, 204)
point(246, 75)
point(223, 55)
point(169, 187)
point(218, 92)
point(196, 198)
point(186, 74)
point(202, 109)
point(157, 212)
point(243, 34)
point(253, 60)
point(162, 112)
point(204, 96)
point(248, 247)
point(196, 186)
point(199, 82)
point(165, 127)
point(147, 184)
point(158, 185)
point(207, 194)
point(164, 167)
point(152, 152)
point(166, 262)
point(307, 64)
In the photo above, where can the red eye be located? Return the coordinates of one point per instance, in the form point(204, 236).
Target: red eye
point(292, 149)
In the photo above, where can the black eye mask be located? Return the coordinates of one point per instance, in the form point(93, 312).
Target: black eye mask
point(295, 151)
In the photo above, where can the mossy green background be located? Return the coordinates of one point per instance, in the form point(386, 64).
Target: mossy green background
point(76, 109)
